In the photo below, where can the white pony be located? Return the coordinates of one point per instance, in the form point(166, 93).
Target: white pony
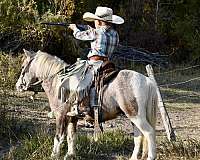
point(130, 93)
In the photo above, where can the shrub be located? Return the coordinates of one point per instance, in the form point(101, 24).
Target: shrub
point(9, 70)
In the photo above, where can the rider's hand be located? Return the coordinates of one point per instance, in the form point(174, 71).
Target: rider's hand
point(72, 26)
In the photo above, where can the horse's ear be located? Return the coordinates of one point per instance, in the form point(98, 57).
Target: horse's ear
point(27, 53)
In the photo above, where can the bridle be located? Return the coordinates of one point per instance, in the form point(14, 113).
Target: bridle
point(23, 73)
point(26, 67)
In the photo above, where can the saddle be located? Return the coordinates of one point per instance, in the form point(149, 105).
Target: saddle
point(104, 75)
point(107, 72)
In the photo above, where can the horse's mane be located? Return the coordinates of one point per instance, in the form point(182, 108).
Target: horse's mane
point(48, 65)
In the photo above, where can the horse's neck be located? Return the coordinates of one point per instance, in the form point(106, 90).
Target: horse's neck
point(48, 67)
point(48, 76)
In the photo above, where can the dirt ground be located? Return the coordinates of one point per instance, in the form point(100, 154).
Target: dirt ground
point(186, 123)
point(184, 116)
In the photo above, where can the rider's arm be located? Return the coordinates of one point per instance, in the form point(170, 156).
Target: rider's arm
point(88, 35)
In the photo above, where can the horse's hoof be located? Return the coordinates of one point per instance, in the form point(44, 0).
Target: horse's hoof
point(70, 157)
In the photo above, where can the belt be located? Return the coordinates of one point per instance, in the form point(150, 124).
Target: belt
point(98, 58)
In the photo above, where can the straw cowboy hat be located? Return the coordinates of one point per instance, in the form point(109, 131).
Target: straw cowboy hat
point(103, 14)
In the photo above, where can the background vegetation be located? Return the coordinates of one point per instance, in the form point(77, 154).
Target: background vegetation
point(169, 27)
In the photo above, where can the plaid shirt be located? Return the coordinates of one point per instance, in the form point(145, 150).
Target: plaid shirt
point(104, 40)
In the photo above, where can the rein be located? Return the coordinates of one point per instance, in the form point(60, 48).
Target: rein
point(36, 83)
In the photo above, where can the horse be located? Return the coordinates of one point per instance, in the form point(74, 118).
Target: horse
point(129, 92)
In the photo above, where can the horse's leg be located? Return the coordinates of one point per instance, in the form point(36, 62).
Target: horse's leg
point(139, 140)
point(143, 139)
point(60, 134)
point(144, 130)
point(144, 148)
point(138, 137)
point(148, 132)
point(71, 138)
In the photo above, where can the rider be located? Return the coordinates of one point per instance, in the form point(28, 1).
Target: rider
point(103, 38)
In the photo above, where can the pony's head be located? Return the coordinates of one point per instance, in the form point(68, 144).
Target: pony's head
point(27, 76)
point(38, 65)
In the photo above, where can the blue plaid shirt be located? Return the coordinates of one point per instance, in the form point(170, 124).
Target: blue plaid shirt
point(104, 40)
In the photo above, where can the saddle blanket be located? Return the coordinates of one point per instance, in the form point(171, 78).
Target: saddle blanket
point(76, 80)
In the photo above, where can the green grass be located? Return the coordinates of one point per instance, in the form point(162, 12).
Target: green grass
point(36, 146)
point(39, 146)
point(111, 145)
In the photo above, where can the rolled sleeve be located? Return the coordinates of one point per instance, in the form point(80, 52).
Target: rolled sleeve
point(76, 30)
point(87, 35)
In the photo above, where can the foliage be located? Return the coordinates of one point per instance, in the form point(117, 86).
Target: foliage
point(20, 28)
point(179, 20)
point(171, 27)
point(9, 70)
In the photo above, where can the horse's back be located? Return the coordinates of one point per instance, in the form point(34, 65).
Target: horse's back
point(130, 83)
point(140, 85)
point(134, 79)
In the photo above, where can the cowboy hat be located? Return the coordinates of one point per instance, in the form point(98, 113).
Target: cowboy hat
point(103, 14)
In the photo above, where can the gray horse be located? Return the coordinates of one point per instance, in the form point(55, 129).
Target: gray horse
point(130, 92)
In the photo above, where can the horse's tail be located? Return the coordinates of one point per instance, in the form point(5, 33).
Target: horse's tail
point(152, 104)
point(164, 115)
